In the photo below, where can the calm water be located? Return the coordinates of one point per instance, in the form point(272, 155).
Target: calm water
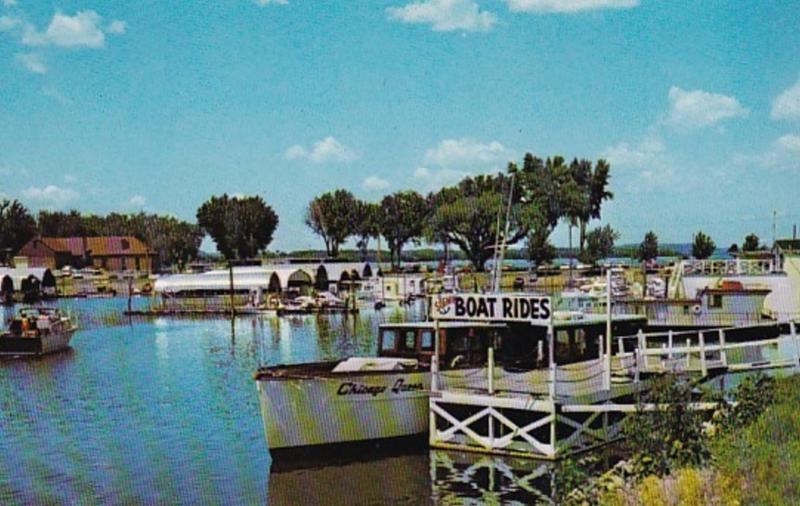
point(165, 411)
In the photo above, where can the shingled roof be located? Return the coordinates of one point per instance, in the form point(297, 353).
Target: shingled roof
point(97, 246)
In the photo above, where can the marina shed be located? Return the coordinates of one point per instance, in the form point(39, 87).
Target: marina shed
point(30, 282)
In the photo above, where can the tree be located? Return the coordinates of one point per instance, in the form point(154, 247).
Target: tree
point(751, 243)
point(733, 249)
point(366, 225)
point(467, 216)
point(599, 244)
point(402, 217)
point(703, 247)
point(648, 251)
point(17, 227)
point(60, 224)
point(333, 216)
point(241, 227)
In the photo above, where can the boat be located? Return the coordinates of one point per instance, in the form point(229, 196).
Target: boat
point(37, 331)
point(366, 398)
point(383, 400)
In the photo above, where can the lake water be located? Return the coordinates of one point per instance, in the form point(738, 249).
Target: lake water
point(165, 410)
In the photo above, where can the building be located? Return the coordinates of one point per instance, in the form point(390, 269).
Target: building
point(113, 253)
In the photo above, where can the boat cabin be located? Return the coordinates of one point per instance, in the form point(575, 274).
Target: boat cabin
point(461, 344)
point(517, 345)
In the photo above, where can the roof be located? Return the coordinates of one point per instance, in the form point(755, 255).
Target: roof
point(244, 278)
point(19, 273)
point(788, 244)
point(442, 325)
point(97, 246)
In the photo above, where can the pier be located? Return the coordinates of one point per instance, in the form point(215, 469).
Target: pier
point(562, 409)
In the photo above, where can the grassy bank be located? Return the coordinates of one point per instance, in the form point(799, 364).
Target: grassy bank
point(755, 464)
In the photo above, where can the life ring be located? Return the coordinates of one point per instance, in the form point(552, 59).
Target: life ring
point(696, 309)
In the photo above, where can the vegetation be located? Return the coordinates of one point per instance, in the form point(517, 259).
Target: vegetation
point(680, 456)
point(403, 215)
point(751, 243)
point(333, 216)
point(599, 244)
point(241, 227)
point(17, 227)
point(703, 247)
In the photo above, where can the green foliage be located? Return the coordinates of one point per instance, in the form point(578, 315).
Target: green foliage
point(733, 249)
point(648, 249)
point(751, 243)
point(241, 227)
point(669, 437)
point(703, 247)
point(763, 457)
point(599, 244)
point(17, 227)
point(402, 220)
point(367, 221)
point(334, 217)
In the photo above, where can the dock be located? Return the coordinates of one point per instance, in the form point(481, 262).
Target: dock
point(563, 409)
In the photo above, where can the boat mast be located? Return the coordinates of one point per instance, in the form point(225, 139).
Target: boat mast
point(501, 254)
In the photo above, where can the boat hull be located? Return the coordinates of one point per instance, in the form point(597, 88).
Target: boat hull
point(345, 408)
point(40, 345)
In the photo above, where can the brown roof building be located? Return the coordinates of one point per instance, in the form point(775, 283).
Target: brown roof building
point(113, 253)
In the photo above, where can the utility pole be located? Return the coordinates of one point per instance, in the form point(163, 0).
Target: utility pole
point(774, 226)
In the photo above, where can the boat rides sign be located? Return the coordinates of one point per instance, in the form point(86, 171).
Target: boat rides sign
point(491, 308)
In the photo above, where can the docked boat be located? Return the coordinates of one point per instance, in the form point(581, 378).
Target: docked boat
point(309, 406)
point(37, 331)
point(362, 399)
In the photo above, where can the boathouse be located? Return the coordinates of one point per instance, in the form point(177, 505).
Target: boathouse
point(26, 283)
point(113, 253)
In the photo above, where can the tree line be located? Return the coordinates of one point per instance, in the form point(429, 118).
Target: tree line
point(524, 203)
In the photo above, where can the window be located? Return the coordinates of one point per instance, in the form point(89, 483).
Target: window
point(427, 340)
point(686, 309)
point(411, 340)
point(716, 301)
point(389, 340)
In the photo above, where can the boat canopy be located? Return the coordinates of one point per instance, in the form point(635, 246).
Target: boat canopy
point(14, 279)
point(244, 278)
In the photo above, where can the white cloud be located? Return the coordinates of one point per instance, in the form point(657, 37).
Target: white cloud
point(430, 180)
point(69, 178)
point(698, 108)
point(468, 154)
point(7, 23)
point(33, 62)
point(262, 3)
point(648, 152)
point(117, 27)
point(789, 142)
point(374, 183)
point(445, 15)
point(787, 104)
point(137, 201)
point(567, 6)
point(51, 195)
point(81, 30)
point(324, 151)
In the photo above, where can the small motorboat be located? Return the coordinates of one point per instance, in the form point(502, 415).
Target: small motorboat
point(37, 331)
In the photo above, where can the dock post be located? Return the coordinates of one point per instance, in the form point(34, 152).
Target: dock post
point(620, 346)
point(796, 340)
point(688, 352)
point(608, 329)
point(723, 353)
point(637, 366)
point(432, 436)
point(641, 345)
point(669, 343)
point(491, 370)
point(703, 368)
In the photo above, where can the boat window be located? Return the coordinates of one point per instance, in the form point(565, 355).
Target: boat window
point(427, 340)
point(389, 340)
point(716, 301)
point(411, 340)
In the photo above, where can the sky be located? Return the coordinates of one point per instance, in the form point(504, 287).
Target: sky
point(157, 105)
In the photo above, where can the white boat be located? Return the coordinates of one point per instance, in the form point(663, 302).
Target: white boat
point(306, 407)
point(362, 399)
point(37, 331)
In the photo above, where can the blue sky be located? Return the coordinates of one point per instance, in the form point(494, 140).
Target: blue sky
point(158, 105)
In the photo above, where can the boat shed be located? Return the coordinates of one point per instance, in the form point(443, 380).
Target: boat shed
point(29, 281)
point(254, 279)
point(340, 274)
